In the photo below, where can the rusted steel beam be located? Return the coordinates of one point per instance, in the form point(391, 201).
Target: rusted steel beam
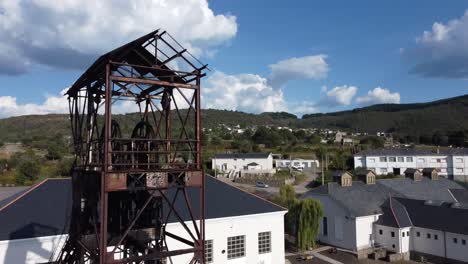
point(153, 82)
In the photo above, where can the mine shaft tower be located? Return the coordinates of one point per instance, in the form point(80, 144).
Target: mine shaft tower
point(136, 173)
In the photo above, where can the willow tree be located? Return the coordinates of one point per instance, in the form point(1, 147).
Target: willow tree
point(308, 213)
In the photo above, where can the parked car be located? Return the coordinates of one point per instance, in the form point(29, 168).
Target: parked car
point(261, 184)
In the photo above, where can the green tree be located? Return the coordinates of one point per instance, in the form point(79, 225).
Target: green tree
point(28, 168)
point(309, 213)
point(286, 196)
point(55, 151)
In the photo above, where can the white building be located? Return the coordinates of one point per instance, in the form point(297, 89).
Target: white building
point(296, 163)
point(34, 224)
point(354, 211)
point(231, 164)
point(451, 163)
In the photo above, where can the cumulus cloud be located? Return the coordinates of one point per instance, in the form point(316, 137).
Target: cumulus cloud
point(304, 108)
point(379, 96)
point(245, 92)
point(308, 67)
point(52, 104)
point(72, 33)
point(339, 96)
point(441, 52)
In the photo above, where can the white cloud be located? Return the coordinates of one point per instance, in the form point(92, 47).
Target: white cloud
point(308, 67)
point(244, 92)
point(379, 95)
point(339, 96)
point(71, 33)
point(52, 104)
point(441, 52)
point(305, 108)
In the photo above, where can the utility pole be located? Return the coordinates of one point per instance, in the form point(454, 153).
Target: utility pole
point(323, 176)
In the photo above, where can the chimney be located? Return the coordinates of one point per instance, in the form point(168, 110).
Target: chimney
point(438, 150)
point(431, 173)
point(367, 176)
point(344, 178)
point(414, 174)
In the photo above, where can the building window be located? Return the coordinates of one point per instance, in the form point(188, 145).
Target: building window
point(209, 251)
point(459, 170)
point(371, 160)
point(418, 234)
point(436, 237)
point(401, 159)
point(236, 247)
point(455, 240)
point(428, 236)
point(421, 160)
point(459, 160)
point(264, 242)
point(393, 234)
point(393, 245)
point(409, 159)
point(380, 232)
point(403, 234)
point(463, 242)
point(392, 159)
point(383, 171)
point(407, 233)
point(325, 226)
point(383, 159)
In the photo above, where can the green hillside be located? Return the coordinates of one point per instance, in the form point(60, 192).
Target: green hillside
point(443, 117)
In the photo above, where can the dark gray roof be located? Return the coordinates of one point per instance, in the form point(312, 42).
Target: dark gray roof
point(7, 194)
point(410, 170)
point(412, 152)
point(45, 210)
point(426, 189)
point(461, 195)
point(394, 214)
point(242, 156)
point(252, 164)
point(362, 199)
point(443, 217)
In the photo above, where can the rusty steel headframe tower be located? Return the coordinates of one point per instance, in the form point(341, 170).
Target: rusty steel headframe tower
point(131, 180)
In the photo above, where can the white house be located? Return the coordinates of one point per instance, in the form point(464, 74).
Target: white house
point(451, 163)
point(231, 164)
point(353, 211)
point(33, 225)
point(296, 163)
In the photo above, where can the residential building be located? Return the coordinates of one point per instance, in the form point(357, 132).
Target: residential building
point(34, 225)
point(296, 163)
point(231, 165)
point(449, 162)
point(353, 210)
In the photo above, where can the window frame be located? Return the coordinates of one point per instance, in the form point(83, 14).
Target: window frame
point(264, 242)
point(209, 251)
point(236, 247)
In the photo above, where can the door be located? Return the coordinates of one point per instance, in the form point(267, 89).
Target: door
point(339, 228)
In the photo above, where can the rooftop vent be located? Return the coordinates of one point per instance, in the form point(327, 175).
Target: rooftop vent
point(414, 174)
point(344, 178)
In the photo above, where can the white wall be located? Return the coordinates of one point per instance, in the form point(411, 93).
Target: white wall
point(336, 215)
point(286, 163)
point(220, 229)
point(30, 250)
point(448, 164)
point(364, 231)
point(391, 243)
point(241, 164)
point(457, 250)
point(427, 245)
point(38, 250)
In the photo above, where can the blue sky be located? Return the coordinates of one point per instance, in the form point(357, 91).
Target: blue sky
point(363, 45)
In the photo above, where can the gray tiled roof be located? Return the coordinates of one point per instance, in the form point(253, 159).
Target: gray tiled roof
point(426, 189)
point(45, 210)
point(412, 152)
point(241, 156)
point(443, 217)
point(362, 199)
point(394, 214)
point(359, 199)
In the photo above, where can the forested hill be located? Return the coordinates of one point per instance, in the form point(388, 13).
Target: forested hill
point(414, 120)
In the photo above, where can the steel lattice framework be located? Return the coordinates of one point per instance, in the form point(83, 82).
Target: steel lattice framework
point(129, 182)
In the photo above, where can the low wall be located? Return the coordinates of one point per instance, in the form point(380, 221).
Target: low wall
point(250, 179)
